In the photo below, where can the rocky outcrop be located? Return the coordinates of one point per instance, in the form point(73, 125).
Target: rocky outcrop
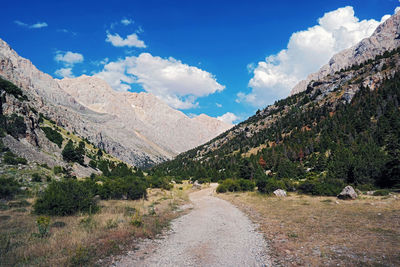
point(138, 128)
point(386, 37)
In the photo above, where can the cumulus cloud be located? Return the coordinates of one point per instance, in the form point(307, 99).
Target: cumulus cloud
point(37, 25)
point(178, 84)
point(131, 40)
point(126, 21)
point(306, 52)
point(228, 118)
point(68, 58)
point(64, 73)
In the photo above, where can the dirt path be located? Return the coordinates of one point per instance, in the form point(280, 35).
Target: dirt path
point(214, 233)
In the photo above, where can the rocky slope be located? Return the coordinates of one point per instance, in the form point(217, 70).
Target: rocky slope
point(137, 128)
point(385, 38)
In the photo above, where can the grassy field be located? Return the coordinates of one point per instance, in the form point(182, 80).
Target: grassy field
point(323, 231)
point(84, 239)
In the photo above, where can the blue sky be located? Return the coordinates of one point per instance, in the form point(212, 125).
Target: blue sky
point(212, 57)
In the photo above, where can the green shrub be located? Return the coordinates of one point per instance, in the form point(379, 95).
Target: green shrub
point(322, 187)
point(381, 192)
point(159, 182)
point(53, 136)
point(93, 164)
point(36, 178)
point(65, 197)
point(269, 185)
point(235, 185)
point(15, 125)
point(119, 188)
point(72, 153)
point(58, 169)
point(12, 159)
point(11, 89)
point(9, 188)
point(43, 224)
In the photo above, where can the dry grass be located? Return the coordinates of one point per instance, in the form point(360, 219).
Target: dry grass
point(318, 231)
point(84, 239)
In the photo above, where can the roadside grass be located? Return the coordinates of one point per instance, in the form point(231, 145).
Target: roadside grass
point(82, 240)
point(316, 231)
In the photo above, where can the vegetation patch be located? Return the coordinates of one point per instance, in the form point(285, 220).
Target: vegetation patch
point(53, 136)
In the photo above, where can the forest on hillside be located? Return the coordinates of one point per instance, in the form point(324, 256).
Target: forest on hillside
point(313, 149)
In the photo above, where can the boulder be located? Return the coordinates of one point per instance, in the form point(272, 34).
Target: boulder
point(348, 193)
point(196, 185)
point(280, 193)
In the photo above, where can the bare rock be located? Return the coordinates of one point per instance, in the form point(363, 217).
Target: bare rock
point(196, 185)
point(348, 193)
point(384, 38)
point(280, 193)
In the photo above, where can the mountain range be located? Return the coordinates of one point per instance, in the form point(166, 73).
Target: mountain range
point(138, 128)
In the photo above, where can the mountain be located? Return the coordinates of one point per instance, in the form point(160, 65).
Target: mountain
point(343, 129)
point(137, 128)
point(386, 37)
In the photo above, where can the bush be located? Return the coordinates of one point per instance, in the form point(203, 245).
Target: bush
point(53, 136)
point(128, 187)
point(11, 89)
point(93, 164)
point(9, 188)
point(58, 169)
point(36, 178)
point(322, 187)
point(235, 185)
point(269, 185)
point(65, 197)
point(15, 125)
point(381, 192)
point(12, 159)
point(72, 153)
point(159, 182)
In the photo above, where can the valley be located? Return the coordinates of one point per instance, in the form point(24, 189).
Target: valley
point(122, 166)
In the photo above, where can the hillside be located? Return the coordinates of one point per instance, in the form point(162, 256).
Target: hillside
point(343, 129)
point(137, 128)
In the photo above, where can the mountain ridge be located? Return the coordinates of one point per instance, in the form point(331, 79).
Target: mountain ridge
point(141, 144)
point(386, 37)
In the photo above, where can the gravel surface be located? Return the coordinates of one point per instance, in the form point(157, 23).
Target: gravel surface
point(214, 233)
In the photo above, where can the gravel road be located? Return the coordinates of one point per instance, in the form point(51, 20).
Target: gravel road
point(214, 233)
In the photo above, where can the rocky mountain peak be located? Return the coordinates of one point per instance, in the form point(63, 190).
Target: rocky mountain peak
point(386, 37)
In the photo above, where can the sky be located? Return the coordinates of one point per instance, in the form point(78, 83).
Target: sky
point(225, 59)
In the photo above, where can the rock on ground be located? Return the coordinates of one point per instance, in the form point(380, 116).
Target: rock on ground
point(348, 193)
point(214, 233)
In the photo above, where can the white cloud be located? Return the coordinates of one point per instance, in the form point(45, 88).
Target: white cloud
point(218, 105)
point(64, 73)
point(306, 52)
point(131, 40)
point(69, 58)
point(228, 118)
point(178, 84)
point(126, 21)
point(37, 25)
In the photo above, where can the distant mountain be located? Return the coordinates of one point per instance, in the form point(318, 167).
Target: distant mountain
point(343, 128)
point(385, 38)
point(137, 128)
